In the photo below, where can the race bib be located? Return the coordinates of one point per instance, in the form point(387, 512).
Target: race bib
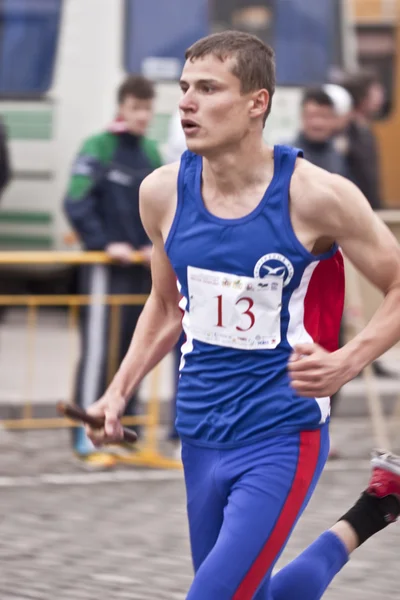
point(236, 312)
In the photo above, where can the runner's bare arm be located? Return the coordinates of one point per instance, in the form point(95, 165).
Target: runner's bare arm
point(160, 323)
point(342, 213)
point(371, 247)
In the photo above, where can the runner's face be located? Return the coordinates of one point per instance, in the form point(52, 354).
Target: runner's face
point(214, 112)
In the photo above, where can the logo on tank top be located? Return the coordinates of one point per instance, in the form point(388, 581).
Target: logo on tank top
point(274, 264)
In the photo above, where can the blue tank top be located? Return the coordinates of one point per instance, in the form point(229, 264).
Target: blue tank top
point(250, 292)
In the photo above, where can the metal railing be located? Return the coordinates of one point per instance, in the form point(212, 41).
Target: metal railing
point(148, 448)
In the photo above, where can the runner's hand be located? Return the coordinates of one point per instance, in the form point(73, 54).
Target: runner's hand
point(315, 372)
point(111, 406)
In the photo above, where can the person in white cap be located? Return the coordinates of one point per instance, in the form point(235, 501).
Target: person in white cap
point(343, 106)
point(342, 102)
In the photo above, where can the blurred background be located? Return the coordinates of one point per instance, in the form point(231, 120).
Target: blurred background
point(120, 532)
point(59, 70)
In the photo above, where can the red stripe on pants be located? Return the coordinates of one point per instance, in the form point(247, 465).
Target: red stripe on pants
point(310, 442)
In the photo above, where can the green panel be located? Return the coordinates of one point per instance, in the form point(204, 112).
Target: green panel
point(16, 241)
point(159, 128)
point(29, 124)
point(38, 125)
point(26, 217)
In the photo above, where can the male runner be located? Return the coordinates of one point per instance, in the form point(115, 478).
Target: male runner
point(252, 235)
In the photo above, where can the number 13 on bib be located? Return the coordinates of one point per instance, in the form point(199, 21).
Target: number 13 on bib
point(233, 311)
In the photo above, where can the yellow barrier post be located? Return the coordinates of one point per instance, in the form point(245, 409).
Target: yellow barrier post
point(30, 360)
point(147, 454)
point(114, 339)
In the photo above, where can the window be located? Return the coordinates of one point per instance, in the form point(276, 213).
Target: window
point(158, 33)
point(28, 43)
point(305, 35)
point(306, 41)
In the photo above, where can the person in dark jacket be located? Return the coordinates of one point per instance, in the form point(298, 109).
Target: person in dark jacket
point(318, 126)
point(363, 155)
point(102, 205)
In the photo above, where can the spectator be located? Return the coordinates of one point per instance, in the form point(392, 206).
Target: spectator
point(343, 105)
point(318, 123)
point(102, 204)
point(363, 156)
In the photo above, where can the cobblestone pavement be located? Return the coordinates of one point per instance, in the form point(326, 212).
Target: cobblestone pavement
point(70, 535)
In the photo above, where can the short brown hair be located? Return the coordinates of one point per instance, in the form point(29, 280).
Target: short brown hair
point(255, 61)
point(137, 86)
